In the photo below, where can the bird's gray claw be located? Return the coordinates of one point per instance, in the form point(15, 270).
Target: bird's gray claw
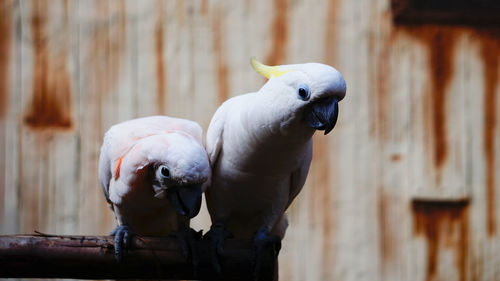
point(123, 236)
point(262, 241)
point(188, 238)
point(217, 236)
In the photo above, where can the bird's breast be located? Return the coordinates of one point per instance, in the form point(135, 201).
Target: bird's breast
point(269, 159)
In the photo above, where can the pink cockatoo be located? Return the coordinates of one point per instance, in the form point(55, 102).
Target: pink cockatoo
point(151, 170)
point(260, 149)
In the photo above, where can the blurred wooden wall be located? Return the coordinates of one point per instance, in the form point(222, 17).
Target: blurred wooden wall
point(405, 188)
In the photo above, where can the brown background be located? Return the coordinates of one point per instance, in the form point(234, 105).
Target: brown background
point(405, 187)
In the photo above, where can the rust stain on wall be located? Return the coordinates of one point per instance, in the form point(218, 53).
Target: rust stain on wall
point(160, 60)
point(440, 42)
point(5, 52)
point(51, 102)
point(386, 238)
point(380, 73)
point(321, 162)
point(108, 46)
point(221, 65)
point(279, 33)
point(444, 224)
point(331, 32)
point(180, 12)
point(65, 4)
point(490, 50)
point(440, 45)
point(396, 157)
point(204, 7)
point(321, 171)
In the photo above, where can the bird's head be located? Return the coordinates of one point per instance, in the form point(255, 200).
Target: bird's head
point(309, 91)
point(178, 169)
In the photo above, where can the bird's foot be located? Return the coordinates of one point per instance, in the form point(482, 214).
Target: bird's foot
point(123, 237)
point(188, 238)
point(217, 236)
point(262, 240)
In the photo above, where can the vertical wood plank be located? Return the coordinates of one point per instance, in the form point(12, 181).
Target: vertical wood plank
point(438, 157)
point(10, 104)
point(151, 40)
point(105, 97)
point(390, 121)
point(48, 141)
point(484, 244)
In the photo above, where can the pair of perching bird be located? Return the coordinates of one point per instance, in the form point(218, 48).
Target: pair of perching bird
point(153, 170)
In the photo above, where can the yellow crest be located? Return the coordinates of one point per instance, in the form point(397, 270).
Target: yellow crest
point(266, 70)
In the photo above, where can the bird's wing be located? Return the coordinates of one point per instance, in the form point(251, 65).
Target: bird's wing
point(298, 177)
point(105, 169)
point(214, 133)
point(160, 124)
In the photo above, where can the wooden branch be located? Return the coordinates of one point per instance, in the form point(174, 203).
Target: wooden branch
point(92, 257)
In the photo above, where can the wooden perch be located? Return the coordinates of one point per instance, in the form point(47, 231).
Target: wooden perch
point(92, 257)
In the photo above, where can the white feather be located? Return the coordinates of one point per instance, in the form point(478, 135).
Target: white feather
point(128, 150)
point(260, 149)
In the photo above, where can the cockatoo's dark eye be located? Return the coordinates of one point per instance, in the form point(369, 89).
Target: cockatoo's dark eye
point(164, 172)
point(303, 92)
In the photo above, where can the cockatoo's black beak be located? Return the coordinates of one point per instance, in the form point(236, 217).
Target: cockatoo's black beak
point(185, 199)
point(322, 114)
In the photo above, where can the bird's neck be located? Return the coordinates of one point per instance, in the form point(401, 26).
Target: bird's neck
point(268, 126)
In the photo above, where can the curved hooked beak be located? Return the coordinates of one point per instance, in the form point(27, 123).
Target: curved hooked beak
point(186, 199)
point(322, 114)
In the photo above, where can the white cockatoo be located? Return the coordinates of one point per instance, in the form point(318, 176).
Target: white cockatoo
point(151, 170)
point(260, 148)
